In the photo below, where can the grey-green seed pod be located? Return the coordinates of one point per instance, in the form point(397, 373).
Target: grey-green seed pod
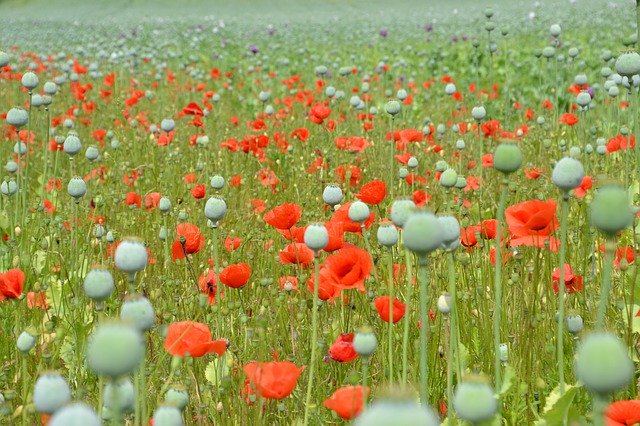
point(555, 30)
point(332, 195)
point(8, 187)
point(72, 145)
point(450, 228)
point(50, 88)
point(92, 153)
point(77, 187)
point(450, 89)
point(177, 396)
point(217, 182)
point(4, 58)
point(131, 255)
point(215, 209)
point(478, 113)
point(610, 209)
point(316, 237)
point(422, 233)
point(507, 158)
point(365, 342)
point(628, 64)
point(567, 174)
point(359, 211)
point(412, 163)
point(401, 209)
point(98, 284)
point(583, 99)
point(474, 401)
point(575, 324)
point(26, 341)
point(51, 392)
point(602, 363)
point(17, 117)
point(387, 235)
point(448, 178)
point(392, 108)
point(20, 148)
point(123, 392)
point(548, 52)
point(76, 414)
point(29, 80)
point(114, 349)
point(137, 311)
point(164, 204)
point(167, 125)
point(167, 416)
point(384, 412)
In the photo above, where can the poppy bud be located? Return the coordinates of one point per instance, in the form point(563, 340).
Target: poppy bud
point(507, 158)
point(50, 88)
point(488, 12)
point(365, 342)
point(628, 64)
point(17, 117)
point(548, 52)
point(610, 210)
point(217, 182)
point(403, 172)
point(448, 178)
point(51, 392)
point(167, 416)
point(215, 209)
point(8, 187)
point(387, 235)
point(474, 401)
point(77, 413)
point(316, 236)
point(450, 228)
point(358, 211)
point(131, 255)
point(167, 125)
point(397, 411)
point(332, 195)
point(114, 349)
point(400, 211)
point(422, 233)
point(555, 30)
point(441, 166)
point(92, 153)
point(450, 89)
point(575, 323)
point(120, 391)
point(72, 145)
point(444, 303)
point(321, 70)
point(177, 396)
point(392, 108)
point(77, 187)
point(137, 311)
point(98, 284)
point(11, 166)
point(26, 341)
point(567, 174)
point(164, 204)
point(503, 350)
point(29, 80)
point(602, 363)
point(461, 182)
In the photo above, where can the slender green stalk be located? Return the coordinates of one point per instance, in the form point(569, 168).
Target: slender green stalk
point(25, 389)
point(453, 334)
point(407, 316)
point(314, 338)
point(599, 408)
point(561, 292)
point(116, 411)
point(365, 372)
point(390, 325)
point(423, 273)
point(609, 253)
point(497, 285)
point(391, 162)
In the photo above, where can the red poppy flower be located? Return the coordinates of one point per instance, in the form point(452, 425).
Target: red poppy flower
point(489, 229)
point(207, 283)
point(349, 267)
point(151, 200)
point(235, 276)
point(326, 288)
point(293, 234)
point(626, 253)
point(283, 216)
point(585, 185)
point(194, 240)
point(336, 236)
point(231, 244)
point(532, 172)
point(296, 253)
point(193, 338)
point(274, 380)
point(572, 283)
point(532, 222)
point(619, 142)
point(487, 160)
point(347, 401)
point(37, 300)
point(622, 413)
point(11, 283)
point(373, 192)
point(198, 191)
point(569, 119)
point(342, 349)
point(383, 306)
point(288, 283)
point(342, 216)
point(192, 109)
point(354, 172)
point(133, 199)
point(468, 236)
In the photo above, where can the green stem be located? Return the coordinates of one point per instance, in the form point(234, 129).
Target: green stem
point(609, 253)
point(407, 316)
point(365, 368)
point(453, 334)
point(390, 325)
point(599, 408)
point(25, 389)
point(561, 293)
point(314, 338)
point(423, 272)
point(497, 285)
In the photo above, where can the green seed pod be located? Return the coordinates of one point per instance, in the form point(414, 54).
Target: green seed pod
point(422, 233)
point(26, 341)
point(401, 209)
point(75, 414)
point(137, 311)
point(474, 401)
point(610, 210)
point(392, 108)
point(448, 178)
point(567, 174)
point(359, 211)
point(603, 364)
point(114, 349)
point(177, 396)
point(98, 284)
point(628, 64)
point(507, 158)
point(167, 416)
point(131, 255)
point(316, 236)
point(50, 393)
point(365, 342)
point(398, 412)
point(215, 209)
point(450, 228)
point(17, 117)
point(387, 235)
point(121, 391)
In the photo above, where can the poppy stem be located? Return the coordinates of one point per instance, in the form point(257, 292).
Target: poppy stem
point(423, 272)
point(561, 293)
point(314, 338)
point(609, 254)
point(166, 243)
point(599, 408)
point(390, 325)
point(365, 372)
point(407, 320)
point(497, 284)
point(25, 389)
point(391, 152)
point(453, 335)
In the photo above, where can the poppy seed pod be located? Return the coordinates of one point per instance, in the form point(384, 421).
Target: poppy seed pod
point(164, 204)
point(575, 324)
point(507, 157)
point(332, 195)
point(121, 391)
point(137, 311)
point(29, 80)
point(478, 113)
point(8, 187)
point(4, 59)
point(50, 88)
point(448, 178)
point(488, 13)
point(36, 100)
point(131, 255)
point(602, 363)
point(387, 235)
point(450, 228)
point(403, 172)
point(51, 392)
point(359, 211)
point(450, 89)
point(17, 117)
point(354, 101)
point(75, 414)
point(114, 349)
point(474, 401)
point(98, 284)
point(555, 30)
point(583, 99)
point(77, 187)
point(316, 236)
point(401, 209)
point(264, 96)
point(461, 182)
point(11, 166)
point(567, 174)
point(215, 209)
point(177, 396)
point(392, 108)
point(610, 210)
point(330, 91)
point(412, 163)
point(365, 342)
point(26, 341)
point(422, 233)
point(444, 303)
point(548, 52)
point(441, 166)
point(628, 64)
point(167, 125)
point(72, 145)
point(402, 94)
point(397, 412)
point(167, 416)
point(503, 351)
point(20, 148)
point(217, 182)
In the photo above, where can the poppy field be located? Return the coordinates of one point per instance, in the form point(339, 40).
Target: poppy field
point(412, 215)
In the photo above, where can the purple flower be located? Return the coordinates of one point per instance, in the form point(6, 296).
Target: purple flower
point(254, 49)
point(590, 92)
point(384, 33)
point(428, 28)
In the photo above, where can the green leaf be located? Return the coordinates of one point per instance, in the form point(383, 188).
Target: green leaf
point(38, 261)
point(218, 369)
point(558, 408)
point(4, 220)
point(507, 380)
point(463, 356)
